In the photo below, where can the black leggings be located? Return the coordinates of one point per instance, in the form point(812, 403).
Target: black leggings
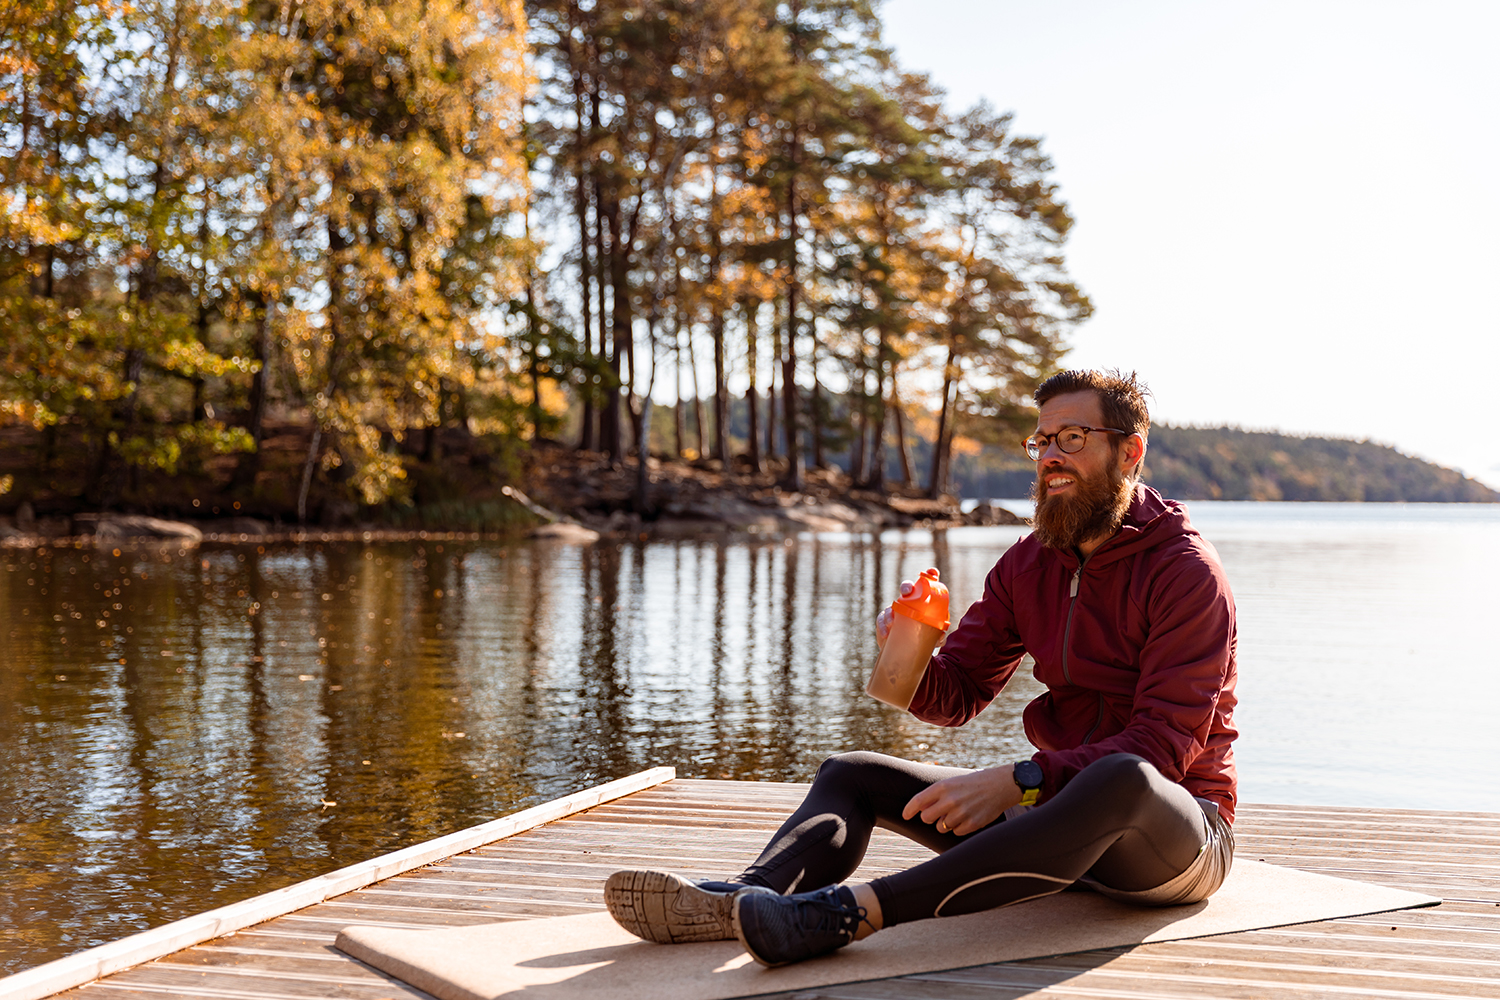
point(1119, 821)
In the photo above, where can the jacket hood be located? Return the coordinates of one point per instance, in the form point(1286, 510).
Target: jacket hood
point(1151, 520)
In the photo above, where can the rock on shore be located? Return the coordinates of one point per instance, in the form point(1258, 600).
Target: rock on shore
point(686, 498)
point(115, 530)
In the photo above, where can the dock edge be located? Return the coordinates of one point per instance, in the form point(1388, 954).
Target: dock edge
point(105, 959)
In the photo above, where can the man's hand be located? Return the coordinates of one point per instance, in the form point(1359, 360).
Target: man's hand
point(888, 615)
point(967, 802)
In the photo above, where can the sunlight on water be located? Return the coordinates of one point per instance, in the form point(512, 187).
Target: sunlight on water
point(1369, 673)
point(184, 731)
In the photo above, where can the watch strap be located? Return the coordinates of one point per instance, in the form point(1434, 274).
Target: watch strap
point(1028, 775)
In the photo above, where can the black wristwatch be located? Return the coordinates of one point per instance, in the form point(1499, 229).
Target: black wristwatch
point(1028, 774)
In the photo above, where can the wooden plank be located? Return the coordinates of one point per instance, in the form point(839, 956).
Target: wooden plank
point(714, 827)
point(350, 979)
point(1298, 812)
point(44, 980)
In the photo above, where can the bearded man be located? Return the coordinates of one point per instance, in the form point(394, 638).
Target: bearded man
point(1127, 614)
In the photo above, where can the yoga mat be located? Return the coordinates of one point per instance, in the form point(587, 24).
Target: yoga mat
point(590, 957)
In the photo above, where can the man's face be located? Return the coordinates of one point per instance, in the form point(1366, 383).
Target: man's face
point(1080, 498)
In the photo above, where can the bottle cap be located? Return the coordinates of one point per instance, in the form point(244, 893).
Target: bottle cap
point(927, 602)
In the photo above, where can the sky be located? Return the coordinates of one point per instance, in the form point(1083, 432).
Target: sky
point(1287, 212)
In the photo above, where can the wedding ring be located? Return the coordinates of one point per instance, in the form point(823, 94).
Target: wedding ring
point(942, 826)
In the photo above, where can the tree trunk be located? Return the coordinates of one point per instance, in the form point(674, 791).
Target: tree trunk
point(534, 374)
point(859, 421)
point(876, 477)
point(902, 451)
point(260, 391)
point(643, 424)
point(533, 338)
point(107, 477)
point(721, 390)
point(679, 407)
point(337, 244)
point(752, 395)
point(815, 406)
point(790, 404)
point(588, 429)
point(937, 484)
point(642, 452)
point(860, 446)
point(307, 472)
point(698, 420)
point(619, 329)
point(789, 401)
point(602, 271)
point(716, 318)
point(771, 444)
point(201, 408)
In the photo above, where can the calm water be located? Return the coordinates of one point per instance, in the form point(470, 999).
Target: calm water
point(184, 731)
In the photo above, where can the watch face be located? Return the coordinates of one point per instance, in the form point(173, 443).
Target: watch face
point(1028, 773)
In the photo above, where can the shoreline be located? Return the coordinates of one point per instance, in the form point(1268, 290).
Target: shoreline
point(564, 494)
point(561, 529)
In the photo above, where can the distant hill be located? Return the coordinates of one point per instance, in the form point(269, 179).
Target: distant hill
point(1225, 463)
point(1192, 463)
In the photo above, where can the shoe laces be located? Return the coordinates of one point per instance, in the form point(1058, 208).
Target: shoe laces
point(824, 911)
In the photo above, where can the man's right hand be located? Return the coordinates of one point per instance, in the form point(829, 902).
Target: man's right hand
point(965, 803)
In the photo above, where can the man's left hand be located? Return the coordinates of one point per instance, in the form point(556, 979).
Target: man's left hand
point(966, 802)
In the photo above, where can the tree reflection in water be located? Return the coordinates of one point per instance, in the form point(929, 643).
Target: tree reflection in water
point(185, 730)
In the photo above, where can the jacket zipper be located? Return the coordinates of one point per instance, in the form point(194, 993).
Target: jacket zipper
point(1097, 719)
point(1067, 641)
point(1068, 625)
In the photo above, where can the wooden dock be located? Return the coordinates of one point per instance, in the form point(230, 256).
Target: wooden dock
point(710, 828)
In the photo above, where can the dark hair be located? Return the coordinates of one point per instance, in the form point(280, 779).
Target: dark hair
point(1122, 398)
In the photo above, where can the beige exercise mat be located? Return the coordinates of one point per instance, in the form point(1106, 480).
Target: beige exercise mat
point(590, 956)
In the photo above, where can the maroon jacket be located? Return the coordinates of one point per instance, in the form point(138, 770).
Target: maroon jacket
point(1136, 647)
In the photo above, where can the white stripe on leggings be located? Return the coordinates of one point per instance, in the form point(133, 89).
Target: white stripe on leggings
point(938, 911)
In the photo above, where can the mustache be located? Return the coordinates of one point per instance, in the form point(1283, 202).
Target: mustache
point(1063, 470)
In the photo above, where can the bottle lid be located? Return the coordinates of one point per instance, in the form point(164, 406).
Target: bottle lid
point(927, 602)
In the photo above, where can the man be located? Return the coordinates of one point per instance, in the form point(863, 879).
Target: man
point(1131, 792)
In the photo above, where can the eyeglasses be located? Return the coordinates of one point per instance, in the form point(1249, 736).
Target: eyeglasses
point(1070, 440)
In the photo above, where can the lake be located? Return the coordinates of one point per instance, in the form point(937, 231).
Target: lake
point(182, 731)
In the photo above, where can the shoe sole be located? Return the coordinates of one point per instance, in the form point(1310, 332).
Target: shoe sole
point(668, 909)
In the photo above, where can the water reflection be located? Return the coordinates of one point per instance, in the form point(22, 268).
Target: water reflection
point(185, 731)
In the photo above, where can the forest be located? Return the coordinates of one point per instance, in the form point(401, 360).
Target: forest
point(1229, 463)
point(1191, 463)
point(382, 231)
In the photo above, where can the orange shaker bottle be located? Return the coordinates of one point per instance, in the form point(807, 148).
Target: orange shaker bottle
point(919, 621)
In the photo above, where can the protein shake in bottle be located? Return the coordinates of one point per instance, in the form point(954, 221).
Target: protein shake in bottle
point(920, 620)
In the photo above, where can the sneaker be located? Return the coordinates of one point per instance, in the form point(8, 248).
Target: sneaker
point(669, 909)
point(779, 930)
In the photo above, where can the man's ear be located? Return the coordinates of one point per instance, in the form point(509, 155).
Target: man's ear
point(1134, 452)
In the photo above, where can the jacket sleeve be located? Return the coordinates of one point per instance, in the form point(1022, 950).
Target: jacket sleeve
point(975, 662)
point(1184, 664)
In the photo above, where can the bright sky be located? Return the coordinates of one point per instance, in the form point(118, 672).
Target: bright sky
point(1287, 211)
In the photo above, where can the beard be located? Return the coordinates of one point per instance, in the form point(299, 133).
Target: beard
point(1095, 510)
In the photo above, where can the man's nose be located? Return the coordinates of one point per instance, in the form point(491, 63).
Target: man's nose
point(1052, 454)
